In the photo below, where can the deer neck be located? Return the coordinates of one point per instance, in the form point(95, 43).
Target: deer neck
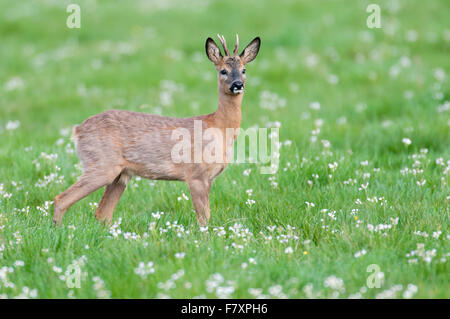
point(228, 114)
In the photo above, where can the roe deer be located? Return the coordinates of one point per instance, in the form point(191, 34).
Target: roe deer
point(115, 145)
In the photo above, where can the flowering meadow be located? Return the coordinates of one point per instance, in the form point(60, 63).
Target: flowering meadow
point(358, 208)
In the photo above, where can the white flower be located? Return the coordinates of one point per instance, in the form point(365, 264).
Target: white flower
point(180, 255)
point(389, 293)
point(333, 79)
point(213, 282)
point(14, 84)
point(144, 269)
point(12, 125)
point(332, 214)
point(288, 250)
point(314, 105)
point(308, 204)
point(440, 161)
point(271, 101)
point(152, 226)
point(405, 61)
point(410, 291)
point(57, 269)
point(333, 166)
point(437, 234)
point(157, 215)
point(443, 107)
point(360, 253)
point(27, 293)
point(406, 141)
point(312, 60)
point(412, 35)
point(255, 292)
point(326, 143)
point(276, 291)
point(224, 292)
point(421, 183)
point(183, 196)
point(99, 287)
point(334, 283)
point(439, 74)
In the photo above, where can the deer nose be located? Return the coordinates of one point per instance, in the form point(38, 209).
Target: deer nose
point(236, 86)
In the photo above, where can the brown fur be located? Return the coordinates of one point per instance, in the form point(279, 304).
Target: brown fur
point(115, 145)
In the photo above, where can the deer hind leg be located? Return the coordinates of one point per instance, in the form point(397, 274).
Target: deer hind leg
point(89, 182)
point(111, 197)
point(200, 198)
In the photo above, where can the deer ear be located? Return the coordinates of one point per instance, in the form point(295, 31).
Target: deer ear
point(251, 51)
point(213, 51)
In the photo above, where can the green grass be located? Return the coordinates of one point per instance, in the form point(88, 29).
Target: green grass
point(121, 57)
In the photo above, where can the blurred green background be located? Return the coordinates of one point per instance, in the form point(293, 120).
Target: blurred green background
point(342, 93)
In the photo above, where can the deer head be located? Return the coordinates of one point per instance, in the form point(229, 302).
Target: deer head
point(231, 69)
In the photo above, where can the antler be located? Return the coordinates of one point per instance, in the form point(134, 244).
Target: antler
point(236, 46)
point(224, 44)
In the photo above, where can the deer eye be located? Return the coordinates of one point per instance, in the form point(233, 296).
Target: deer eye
point(223, 72)
point(243, 71)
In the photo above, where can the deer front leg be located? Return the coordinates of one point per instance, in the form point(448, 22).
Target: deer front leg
point(200, 198)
